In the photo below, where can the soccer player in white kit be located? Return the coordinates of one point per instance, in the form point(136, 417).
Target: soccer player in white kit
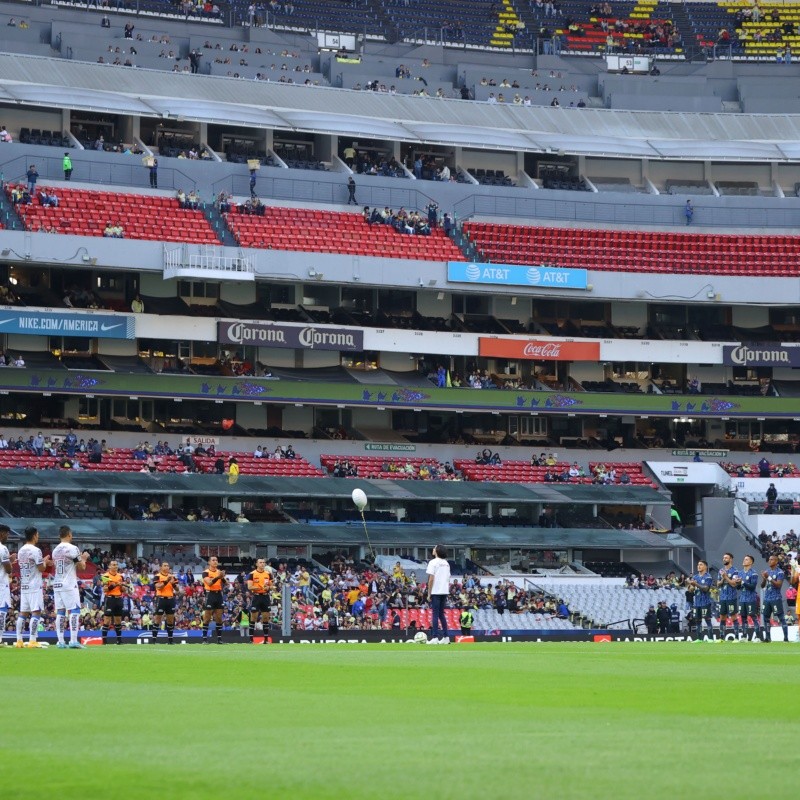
point(6, 566)
point(31, 599)
point(66, 557)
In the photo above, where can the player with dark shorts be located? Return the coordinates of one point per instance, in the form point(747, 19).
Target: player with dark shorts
point(259, 583)
point(772, 582)
point(703, 604)
point(166, 586)
point(114, 588)
point(748, 596)
point(728, 583)
point(213, 583)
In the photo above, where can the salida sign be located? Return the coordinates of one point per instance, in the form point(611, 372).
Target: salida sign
point(310, 337)
point(535, 350)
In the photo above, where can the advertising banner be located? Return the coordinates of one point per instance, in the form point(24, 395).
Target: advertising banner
point(58, 323)
point(537, 350)
point(540, 277)
point(760, 355)
point(310, 337)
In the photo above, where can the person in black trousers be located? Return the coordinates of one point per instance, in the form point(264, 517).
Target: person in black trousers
point(154, 174)
point(351, 191)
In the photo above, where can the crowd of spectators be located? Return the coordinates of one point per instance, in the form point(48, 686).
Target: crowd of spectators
point(190, 201)
point(402, 221)
point(763, 469)
point(785, 547)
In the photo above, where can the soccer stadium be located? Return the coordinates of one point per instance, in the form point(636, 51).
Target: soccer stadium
point(436, 424)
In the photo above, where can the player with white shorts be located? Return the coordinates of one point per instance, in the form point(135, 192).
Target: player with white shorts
point(66, 558)
point(31, 599)
point(5, 579)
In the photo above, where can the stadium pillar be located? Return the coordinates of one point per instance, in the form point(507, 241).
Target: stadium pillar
point(286, 610)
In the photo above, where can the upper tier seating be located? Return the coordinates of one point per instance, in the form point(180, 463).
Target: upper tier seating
point(122, 460)
point(637, 251)
point(371, 466)
point(336, 232)
point(643, 26)
point(524, 472)
point(85, 213)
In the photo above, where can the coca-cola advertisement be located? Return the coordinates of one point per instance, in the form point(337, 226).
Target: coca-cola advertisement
point(538, 349)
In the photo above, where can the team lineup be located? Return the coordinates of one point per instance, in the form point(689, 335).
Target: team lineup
point(738, 597)
point(66, 560)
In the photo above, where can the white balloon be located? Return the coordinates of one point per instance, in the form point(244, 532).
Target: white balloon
point(359, 499)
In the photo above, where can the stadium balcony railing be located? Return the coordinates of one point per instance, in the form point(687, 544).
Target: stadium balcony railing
point(336, 232)
point(637, 251)
point(86, 213)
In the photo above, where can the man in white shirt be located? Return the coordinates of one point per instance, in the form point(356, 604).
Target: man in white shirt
point(438, 572)
point(31, 602)
point(66, 558)
point(6, 565)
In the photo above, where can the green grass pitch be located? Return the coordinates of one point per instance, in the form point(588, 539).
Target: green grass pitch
point(399, 721)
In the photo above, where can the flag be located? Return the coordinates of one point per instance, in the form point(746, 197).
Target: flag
point(448, 383)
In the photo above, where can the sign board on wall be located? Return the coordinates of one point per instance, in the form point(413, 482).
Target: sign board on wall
point(310, 337)
point(537, 350)
point(515, 275)
point(47, 323)
point(760, 355)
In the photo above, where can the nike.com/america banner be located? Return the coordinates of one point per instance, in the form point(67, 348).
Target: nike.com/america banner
point(92, 326)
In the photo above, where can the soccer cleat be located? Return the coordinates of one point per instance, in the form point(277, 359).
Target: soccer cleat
point(444, 640)
point(34, 645)
point(433, 641)
point(19, 644)
point(76, 646)
point(62, 645)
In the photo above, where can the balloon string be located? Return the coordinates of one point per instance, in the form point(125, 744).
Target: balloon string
point(367, 535)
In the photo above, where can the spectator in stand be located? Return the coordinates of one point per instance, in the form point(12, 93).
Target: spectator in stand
point(764, 469)
point(32, 175)
point(137, 306)
point(5, 136)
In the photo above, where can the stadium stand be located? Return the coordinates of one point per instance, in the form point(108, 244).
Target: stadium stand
point(636, 251)
point(336, 232)
point(88, 213)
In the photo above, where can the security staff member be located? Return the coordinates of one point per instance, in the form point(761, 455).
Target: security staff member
point(466, 622)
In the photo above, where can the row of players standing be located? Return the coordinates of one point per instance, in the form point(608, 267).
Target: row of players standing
point(738, 597)
point(67, 560)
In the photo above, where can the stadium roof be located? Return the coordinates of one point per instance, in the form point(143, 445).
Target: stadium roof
point(36, 80)
point(401, 534)
point(96, 482)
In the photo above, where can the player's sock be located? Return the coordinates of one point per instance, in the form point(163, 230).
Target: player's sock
point(154, 631)
point(118, 631)
point(218, 630)
point(60, 628)
point(33, 629)
point(3, 618)
point(785, 629)
point(74, 627)
point(205, 631)
point(104, 633)
point(736, 627)
point(252, 630)
point(170, 631)
point(20, 627)
point(723, 629)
